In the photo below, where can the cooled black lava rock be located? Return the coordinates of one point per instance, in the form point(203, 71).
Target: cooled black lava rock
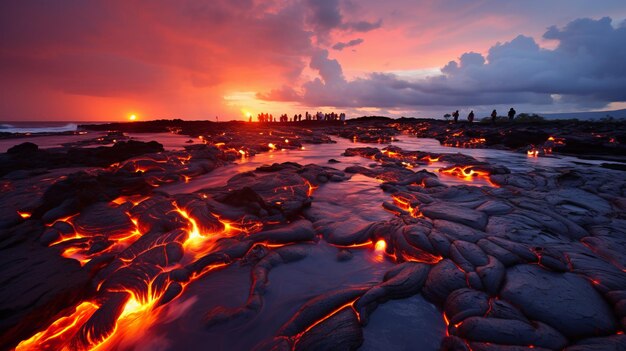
point(564, 301)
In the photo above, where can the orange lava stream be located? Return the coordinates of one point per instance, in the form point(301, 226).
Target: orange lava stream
point(51, 338)
point(406, 205)
point(140, 311)
point(24, 215)
point(467, 173)
point(365, 244)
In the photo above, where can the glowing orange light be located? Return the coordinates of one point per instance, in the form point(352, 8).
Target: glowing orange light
point(193, 230)
point(405, 204)
point(431, 159)
point(468, 173)
point(24, 214)
point(132, 117)
point(271, 146)
point(334, 312)
point(311, 188)
point(380, 245)
point(367, 243)
point(49, 338)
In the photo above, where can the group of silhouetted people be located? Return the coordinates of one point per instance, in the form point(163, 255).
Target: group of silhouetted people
point(319, 116)
point(494, 115)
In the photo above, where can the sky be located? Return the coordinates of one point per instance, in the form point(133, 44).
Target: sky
point(73, 60)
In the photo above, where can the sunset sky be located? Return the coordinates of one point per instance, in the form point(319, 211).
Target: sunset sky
point(106, 60)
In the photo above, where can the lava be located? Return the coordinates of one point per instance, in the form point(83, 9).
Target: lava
point(24, 215)
point(363, 244)
point(430, 159)
point(405, 204)
point(52, 337)
point(138, 303)
point(467, 173)
point(380, 246)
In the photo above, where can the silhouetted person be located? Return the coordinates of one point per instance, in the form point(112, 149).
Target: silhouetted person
point(456, 116)
point(511, 114)
point(494, 114)
point(470, 117)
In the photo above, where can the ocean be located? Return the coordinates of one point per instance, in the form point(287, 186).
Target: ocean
point(42, 127)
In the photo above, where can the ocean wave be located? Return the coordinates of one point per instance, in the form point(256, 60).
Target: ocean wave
point(10, 128)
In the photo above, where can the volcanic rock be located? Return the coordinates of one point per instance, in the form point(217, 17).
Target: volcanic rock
point(462, 215)
point(564, 301)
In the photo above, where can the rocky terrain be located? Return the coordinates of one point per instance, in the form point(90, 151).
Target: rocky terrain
point(92, 249)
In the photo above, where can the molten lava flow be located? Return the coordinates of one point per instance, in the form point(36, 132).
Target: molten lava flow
point(24, 215)
point(364, 244)
point(405, 204)
point(424, 257)
point(51, 338)
point(380, 246)
point(271, 146)
point(533, 153)
point(194, 238)
point(77, 245)
point(467, 173)
point(311, 188)
point(379, 250)
point(76, 254)
point(430, 159)
point(135, 200)
point(445, 319)
point(138, 303)
point(390, 153)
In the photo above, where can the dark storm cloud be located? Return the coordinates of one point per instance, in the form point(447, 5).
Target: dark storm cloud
point(363, 26)
point(326, 16)
point(354, 42)
point(586, 66)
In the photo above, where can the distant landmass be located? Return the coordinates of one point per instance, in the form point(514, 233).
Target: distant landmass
point(586, 115)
